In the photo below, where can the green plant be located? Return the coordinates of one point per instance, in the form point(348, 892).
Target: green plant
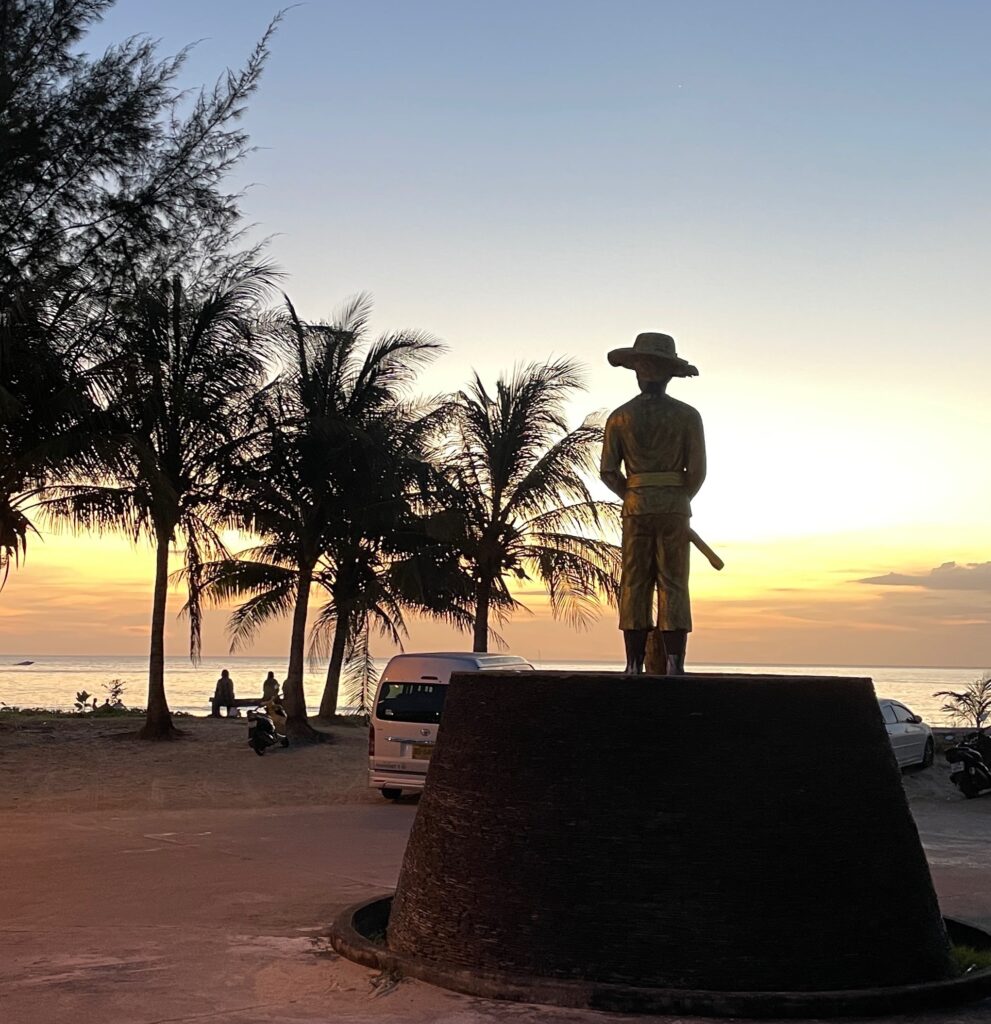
point(970, 707)
point(82, 701)
point(115, 692)
point(967, 958)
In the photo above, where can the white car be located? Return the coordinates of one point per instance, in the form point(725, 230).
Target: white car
point(911, 739)
point(406, 714)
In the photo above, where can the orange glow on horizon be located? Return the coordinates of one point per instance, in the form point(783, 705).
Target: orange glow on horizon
point(793, 600)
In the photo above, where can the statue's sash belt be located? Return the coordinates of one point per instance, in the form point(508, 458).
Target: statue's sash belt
point(672, 479)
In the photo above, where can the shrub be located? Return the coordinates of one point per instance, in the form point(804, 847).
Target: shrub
point(115, 692)
point(970, 707)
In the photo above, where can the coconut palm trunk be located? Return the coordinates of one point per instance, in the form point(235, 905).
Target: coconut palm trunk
point(298, 726)
point(332, 689)
point(158, 723)
point(483, 590)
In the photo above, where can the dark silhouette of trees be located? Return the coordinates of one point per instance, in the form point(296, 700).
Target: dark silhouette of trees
point(338, 489)
point(186, 366)
point(108, 174)
point(523, 509)
point(124, 306)
point(135, 393)
point(105, 165)
point(45, 402)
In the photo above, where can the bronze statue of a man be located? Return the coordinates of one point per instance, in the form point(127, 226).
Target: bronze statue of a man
point(659, 443)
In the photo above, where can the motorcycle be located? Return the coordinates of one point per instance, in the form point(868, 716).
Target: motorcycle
point(263, 728)
point(970, 759)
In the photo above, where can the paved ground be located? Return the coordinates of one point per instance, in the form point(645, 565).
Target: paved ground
point(215, 916)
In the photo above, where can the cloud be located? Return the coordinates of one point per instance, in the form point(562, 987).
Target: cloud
point(948, 576)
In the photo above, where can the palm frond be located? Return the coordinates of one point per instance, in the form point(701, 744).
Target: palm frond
point(359, 676)
point(604, 517)
point(575, 576)
point(14, 530)
point(390, 367)
point(275, 603)
point(99, 509)
point(971, 706)
point(203, 549)
point(231, 579)
point(559, 474)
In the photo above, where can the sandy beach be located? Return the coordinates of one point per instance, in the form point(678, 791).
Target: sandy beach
point(92, 763)
point(194, 881)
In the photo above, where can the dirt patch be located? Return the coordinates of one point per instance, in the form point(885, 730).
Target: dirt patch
point(81, 764)
point(931, 783)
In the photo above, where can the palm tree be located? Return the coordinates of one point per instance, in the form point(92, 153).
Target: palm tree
point(518, 483)
point(333, 494)
point(389, 565)
point(186, 365)
point(971, 706)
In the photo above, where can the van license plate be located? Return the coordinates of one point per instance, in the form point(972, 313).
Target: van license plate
point(422, 751)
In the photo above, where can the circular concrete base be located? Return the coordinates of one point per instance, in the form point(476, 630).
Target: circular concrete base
point(713, 832)
point(355, 931)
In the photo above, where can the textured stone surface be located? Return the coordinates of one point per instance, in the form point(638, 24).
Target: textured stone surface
point(712, 832)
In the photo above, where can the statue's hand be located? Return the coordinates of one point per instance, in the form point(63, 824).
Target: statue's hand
point(616, 483)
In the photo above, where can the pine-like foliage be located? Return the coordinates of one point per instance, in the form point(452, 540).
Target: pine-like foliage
point(105, 165)
point(109, 176)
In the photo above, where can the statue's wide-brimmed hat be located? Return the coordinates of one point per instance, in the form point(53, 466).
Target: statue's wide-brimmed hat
point(653, 353)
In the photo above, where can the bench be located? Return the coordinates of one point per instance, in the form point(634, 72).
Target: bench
point(238, 702)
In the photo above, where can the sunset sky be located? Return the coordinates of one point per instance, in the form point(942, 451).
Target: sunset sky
point(796, 191)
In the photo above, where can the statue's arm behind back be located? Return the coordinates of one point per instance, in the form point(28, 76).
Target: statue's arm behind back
point(695, 457)
point(612, 459)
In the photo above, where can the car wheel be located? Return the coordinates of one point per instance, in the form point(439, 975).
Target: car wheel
point(929, 754)
point(391, 794)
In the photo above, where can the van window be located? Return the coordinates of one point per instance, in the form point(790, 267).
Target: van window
point(411, 702)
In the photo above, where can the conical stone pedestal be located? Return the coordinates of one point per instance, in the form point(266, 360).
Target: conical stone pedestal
point(704, 832)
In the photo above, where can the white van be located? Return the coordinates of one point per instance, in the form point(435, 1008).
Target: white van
point(406, 713)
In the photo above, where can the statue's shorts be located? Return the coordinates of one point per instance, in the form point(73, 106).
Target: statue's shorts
point(655, 558)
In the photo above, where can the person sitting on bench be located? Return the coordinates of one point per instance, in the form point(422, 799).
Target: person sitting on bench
point(270, 688)
point(223, 696)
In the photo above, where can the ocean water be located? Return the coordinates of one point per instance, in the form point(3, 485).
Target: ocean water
point(52, 681)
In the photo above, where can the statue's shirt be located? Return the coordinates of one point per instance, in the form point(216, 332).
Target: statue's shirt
point(655, 434)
